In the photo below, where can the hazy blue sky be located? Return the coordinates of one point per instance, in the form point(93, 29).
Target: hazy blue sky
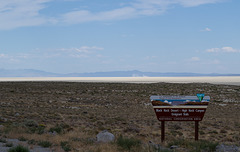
point(64, 36)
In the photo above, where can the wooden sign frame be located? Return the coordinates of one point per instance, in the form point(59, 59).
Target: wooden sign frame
point(180, 108)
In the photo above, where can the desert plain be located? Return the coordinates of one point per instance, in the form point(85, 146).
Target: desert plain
point(75, 112)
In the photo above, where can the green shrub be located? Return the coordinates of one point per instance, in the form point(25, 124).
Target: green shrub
point(45, 144)
point(153, 148)
point(64, 126)
point(9, 144)
point(213, 132)
point(3, 140)
point(201, 132)
point(57, 129)
point(22, 138)
point(128, 143)
point(8, 128)
point(164, 150)
point(32, 141)
point(202, 145)
point(30, 123)
point(34, 127)
point(178, 142)
point(19, 148)
point(40, 129)
point(223, 131)
point(65, 146)
point(196, 146)
point(175, 133)
point(85, 141)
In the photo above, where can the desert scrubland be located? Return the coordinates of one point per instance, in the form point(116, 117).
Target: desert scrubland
point(75, 112)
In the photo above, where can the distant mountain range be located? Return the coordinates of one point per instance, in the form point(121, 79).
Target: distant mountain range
point(134, 73)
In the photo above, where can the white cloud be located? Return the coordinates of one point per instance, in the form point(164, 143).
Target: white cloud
point(15, 57)
point(150, 57)
point(87, 48)
point(223, 50)
point(87, 16)
point(78, 55)
point(8, 58)
point(207, 29)
point(134, 9)
point(230, 49)
point(211, 62)
point(215, 61)
point(195, 59)
point(83, 49)
point(81, 52)
point(212, 50)
point(203, 61)
point(21, 13)
point(192, 3)
point(2, 55)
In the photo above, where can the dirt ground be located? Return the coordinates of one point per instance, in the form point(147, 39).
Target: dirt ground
point(84, 109)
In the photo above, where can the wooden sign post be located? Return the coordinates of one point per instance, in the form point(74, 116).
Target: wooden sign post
point(180, 108)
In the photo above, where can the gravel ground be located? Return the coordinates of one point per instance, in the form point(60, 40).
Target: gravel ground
point(16, 142)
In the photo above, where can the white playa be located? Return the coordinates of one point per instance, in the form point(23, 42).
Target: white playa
point(213, 80)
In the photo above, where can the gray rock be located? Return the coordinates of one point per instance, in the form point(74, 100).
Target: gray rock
point(3, 119)
point(2, 144)
point(15, 142)
point(105, 136)
point(227, 148)
point(4, 149)
point(54, 133)
point(40, 149)
point(173, 147)
point(154, 146)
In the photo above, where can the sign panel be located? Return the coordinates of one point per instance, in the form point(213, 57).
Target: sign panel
point(180, 108)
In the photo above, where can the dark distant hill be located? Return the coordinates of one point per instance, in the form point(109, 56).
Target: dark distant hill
point(134, 73)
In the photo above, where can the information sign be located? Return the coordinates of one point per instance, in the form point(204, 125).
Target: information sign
point(180, 108)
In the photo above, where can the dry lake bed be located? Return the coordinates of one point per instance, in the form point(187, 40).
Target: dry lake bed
point(231, 80)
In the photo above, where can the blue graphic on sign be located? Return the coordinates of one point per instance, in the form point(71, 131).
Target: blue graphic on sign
point(200, 97)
